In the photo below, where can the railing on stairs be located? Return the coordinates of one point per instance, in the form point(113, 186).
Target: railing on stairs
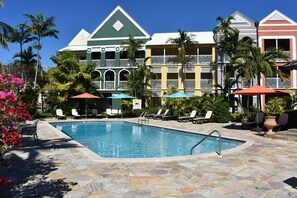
point(220, 143)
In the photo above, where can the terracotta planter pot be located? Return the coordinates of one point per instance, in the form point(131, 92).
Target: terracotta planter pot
point(270, 123)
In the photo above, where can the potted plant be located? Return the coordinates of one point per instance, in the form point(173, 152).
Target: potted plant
point(273, 108)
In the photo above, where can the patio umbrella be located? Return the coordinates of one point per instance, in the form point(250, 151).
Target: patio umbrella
point(291, 65)
point(86, 96)
point(121, 96)
point(255, 91)
point(178, 95)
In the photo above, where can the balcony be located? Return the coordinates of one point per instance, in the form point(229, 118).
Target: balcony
point(156, 84)
point(109, 62)
point(171, 60)
point(204, 59)
point(83, 62)
point(98, 84)
point(97, 62)
point(174, 60)
point(122, 84)
point(206, 83)
point(190, 83)
point(172, 83)
point(109, 85)
point(277, 83)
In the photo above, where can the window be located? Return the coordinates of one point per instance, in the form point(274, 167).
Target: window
point(96, 55)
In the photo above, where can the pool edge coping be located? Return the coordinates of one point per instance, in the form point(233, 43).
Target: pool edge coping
point(97, 158)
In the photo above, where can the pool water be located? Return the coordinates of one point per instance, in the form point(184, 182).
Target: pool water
point(128, 140)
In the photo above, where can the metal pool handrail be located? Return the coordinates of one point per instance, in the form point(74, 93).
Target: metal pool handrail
point(220, 144)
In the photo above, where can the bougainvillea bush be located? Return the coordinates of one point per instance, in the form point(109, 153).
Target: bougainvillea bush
point(12, 112)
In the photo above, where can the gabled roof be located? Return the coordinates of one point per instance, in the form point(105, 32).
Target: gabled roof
point(277, 17)
point(162, 38)
point(118, 25)
point(241, 20)
point(81, 38)
point(79, 42)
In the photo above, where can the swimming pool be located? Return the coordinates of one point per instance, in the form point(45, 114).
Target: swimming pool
point(128, 140)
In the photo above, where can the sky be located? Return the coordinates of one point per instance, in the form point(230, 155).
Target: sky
point(154, 16)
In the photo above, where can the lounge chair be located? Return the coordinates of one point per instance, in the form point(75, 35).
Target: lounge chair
point(160, 116)
point(203, 119)
point(75, 114)
point(174, 116)
point(151, 115)
point(29, 129)
point(187, 118)
point(259, 119)
point(281, 122)
point(95, 114)
point(59, 114)
point(112, 112)
point(143, 118)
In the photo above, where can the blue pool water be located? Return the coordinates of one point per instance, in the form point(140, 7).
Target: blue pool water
point(128, 140)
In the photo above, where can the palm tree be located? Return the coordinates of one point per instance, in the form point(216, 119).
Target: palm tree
point(28, 59)
point(224, 27)
point(41, 27)
point(21, 35)
point(185, 41)
point(132, 46)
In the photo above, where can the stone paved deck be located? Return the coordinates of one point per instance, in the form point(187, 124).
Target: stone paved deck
point(58, 167)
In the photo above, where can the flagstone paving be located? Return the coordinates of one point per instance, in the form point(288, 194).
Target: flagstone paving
point(56, 166)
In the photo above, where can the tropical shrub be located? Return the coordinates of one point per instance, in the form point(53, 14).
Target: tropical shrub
point(12, 112)
point(275, 107)
point(221, 111)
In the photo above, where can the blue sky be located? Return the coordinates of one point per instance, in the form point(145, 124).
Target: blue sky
point(154, 16)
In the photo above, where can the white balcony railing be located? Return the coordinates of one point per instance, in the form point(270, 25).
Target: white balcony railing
point(157, 60)
point(156, 84)
point(190, 83)
point(98, 84)
point(171, 60)
point(277, 83)
point(83, 62)
point(109, 85)
point(206, 83)
point(172, 83)
point(97, 62)
point(109, 62)
point(204, 59)
point(122, 84)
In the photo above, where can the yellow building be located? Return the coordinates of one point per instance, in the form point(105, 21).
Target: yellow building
point(200, 70)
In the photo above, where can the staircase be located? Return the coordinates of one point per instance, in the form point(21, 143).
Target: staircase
point(289, 135)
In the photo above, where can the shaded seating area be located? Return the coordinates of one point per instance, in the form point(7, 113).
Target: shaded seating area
point(174, 116)
point(75, 114)
point(29, 129)
point(187, 118)
point(160, 116)
point(259, 120)
point(204, 119)
point(60, 115)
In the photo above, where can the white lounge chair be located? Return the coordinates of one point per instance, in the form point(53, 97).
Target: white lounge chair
point(203, 119)
point(59, 114)
point(151, 115)
point(160, 116)
point(187, 118)
point(75, 114)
